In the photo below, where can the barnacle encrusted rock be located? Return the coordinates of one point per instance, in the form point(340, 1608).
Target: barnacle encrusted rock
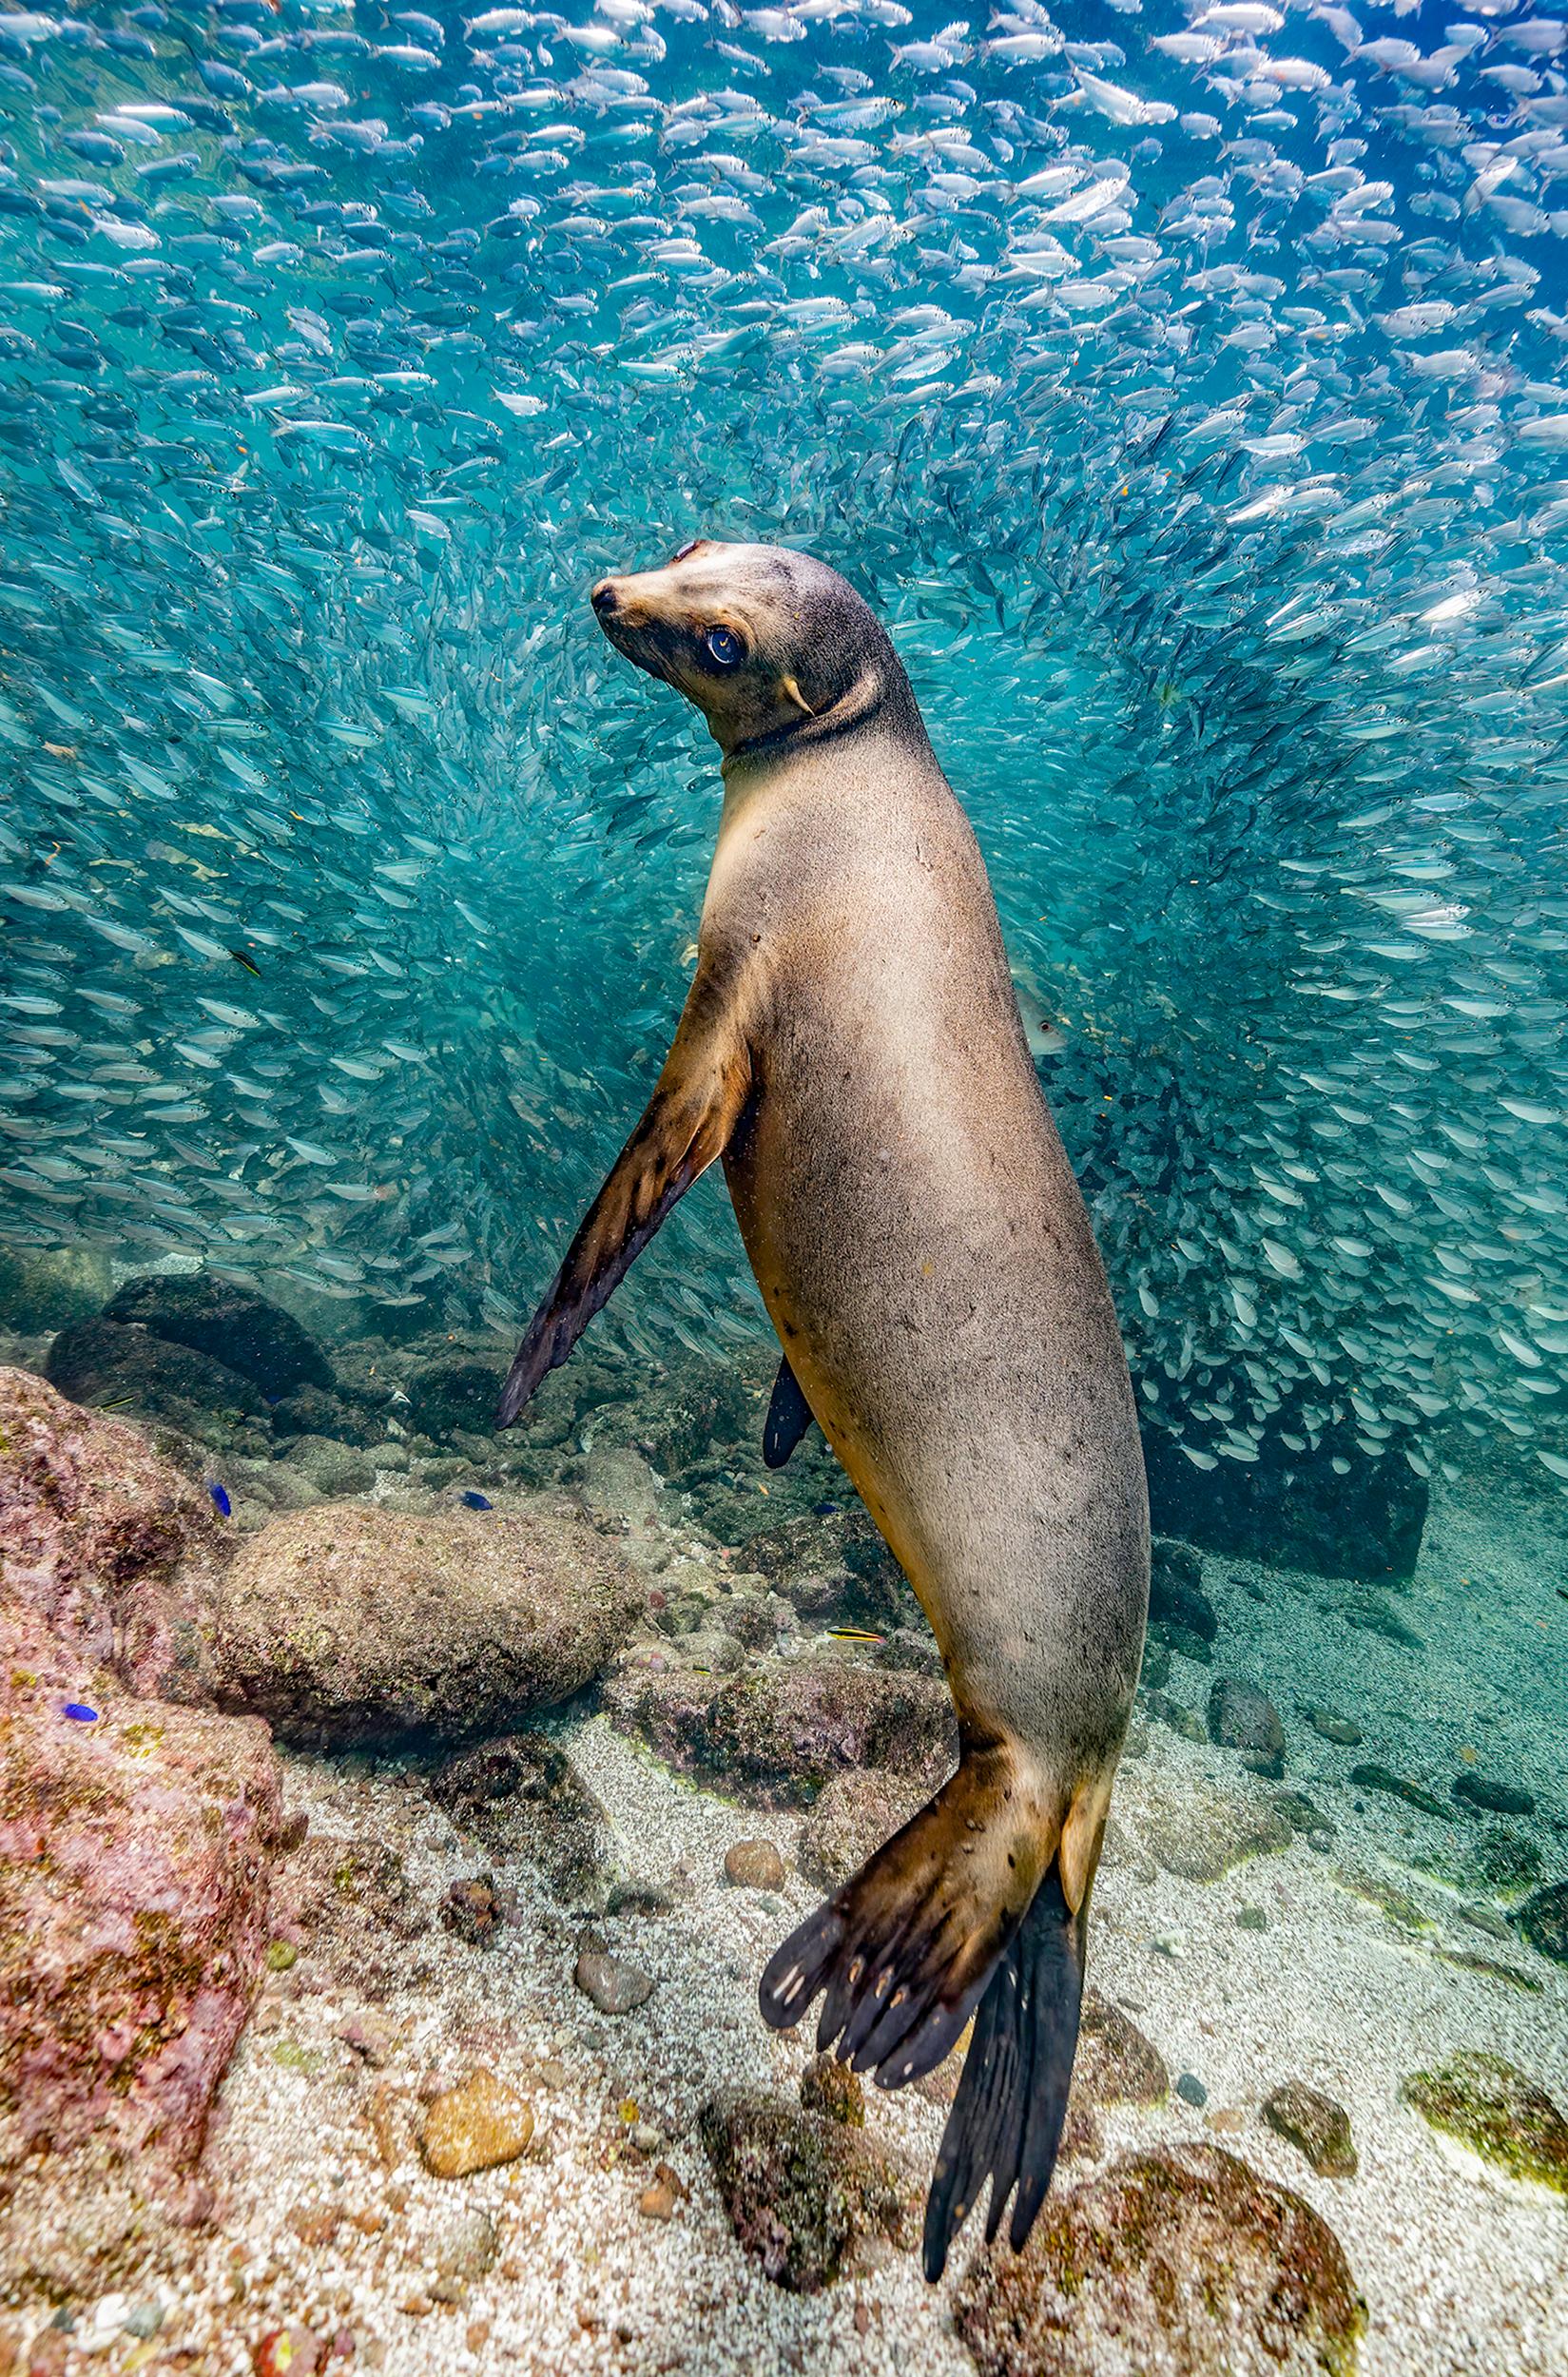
point(800, 2189)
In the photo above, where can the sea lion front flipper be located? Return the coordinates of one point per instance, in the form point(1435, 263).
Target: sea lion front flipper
point(700, 1098)
point(788, 1418)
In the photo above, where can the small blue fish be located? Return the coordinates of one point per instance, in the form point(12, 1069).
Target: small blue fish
point(219, 1497)
point(477, 1501)
point(83, 1714)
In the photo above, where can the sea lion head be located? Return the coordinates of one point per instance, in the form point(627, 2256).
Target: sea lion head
point(769, 645)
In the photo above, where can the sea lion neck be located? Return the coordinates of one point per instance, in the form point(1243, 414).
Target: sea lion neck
point(878, 700)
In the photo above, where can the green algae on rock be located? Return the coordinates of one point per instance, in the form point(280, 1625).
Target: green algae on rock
point(1179, 2262)
point(800, 2189)
point(1498, 2112)
point(1543, 1920)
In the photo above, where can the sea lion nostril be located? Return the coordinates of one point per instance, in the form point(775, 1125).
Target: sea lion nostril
point(603, 597)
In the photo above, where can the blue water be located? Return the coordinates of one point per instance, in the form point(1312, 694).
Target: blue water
point(1197, 418)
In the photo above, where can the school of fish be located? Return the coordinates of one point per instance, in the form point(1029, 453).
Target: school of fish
point(1186, 384)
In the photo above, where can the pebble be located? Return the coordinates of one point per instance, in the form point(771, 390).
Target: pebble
point(287, 2352)
point(614, 1985)
point(829, 2086)
point(1192, 2090)
point(659, 2199)
point(1252, 1918)
point(1334, 1727)
point(474, 2126)
point(754, 1865)
point(1316, 2125)
point(1172, 1943)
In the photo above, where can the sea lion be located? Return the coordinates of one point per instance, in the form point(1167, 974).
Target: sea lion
point(851, 1046)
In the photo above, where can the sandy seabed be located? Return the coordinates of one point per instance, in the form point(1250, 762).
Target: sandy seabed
point(1464, 2272)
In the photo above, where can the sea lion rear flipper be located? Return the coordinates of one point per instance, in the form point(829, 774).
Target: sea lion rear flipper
point(690, 1117)
point(1006, 2121)
point(788, 1418)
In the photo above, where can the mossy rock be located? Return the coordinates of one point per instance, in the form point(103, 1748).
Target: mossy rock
point(1498, 2112)
point(1178, 2262)
point(800, 2189)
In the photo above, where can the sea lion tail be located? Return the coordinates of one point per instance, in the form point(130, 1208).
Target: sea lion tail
point(1006, 2121)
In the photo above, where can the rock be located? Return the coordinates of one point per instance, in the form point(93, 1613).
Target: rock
point(1176, 1597)
point(614, 1482)
point(1116, 2065)
point(1301, 1814)
point(1192, 2090)
point(614, 1985)
point(97, 1361)
point(1507, 1861)
point(521, 1796)
point(1377, 1616)
point(658, 2200)
point(47, 1288)
point(800, 2190)
point(835, 1569)
point(1293, 1509)
point(330, 1467)
point(312, 1411)
point(1375, 1777)
point(470, 1911)
point(114, 1548)
point(133, 1920)
point(459, 1391)
point(754, 1865)
point(1241, 1717)
point(287, 2352)
point(474, 2126)
point(349, 1622)
point(1543, 1920)
point(459, 2256)
point(777, 1732)
point(831, 2088)
point(1155, 1673)
point(698, 1407)
point(230, 1323)
point(1316, 2125)
point(1179, 2262)
point(1332, 1728)
point(856, 1814)
point(1498, 1799)
point(1193, 1829)
point(1498, 2112)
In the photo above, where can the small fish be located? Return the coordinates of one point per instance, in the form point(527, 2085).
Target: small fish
point(118, 1404)
point(854, 1633)
point(477, 1501)
point(219, 1499)
point(79, 1713)
point(250, 965)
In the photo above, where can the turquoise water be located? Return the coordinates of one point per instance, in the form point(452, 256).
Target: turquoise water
point(1193, 405)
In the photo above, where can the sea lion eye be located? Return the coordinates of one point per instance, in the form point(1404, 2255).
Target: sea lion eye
point(724, 647)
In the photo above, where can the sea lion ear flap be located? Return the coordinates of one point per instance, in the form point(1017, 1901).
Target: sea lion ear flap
point(791, 692)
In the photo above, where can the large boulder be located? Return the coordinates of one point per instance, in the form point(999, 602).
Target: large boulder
point(103, 1361)
point(456, 1391)
point(1179, 2262)
point(135, 1847)
point(349, 1623)
point(231, 1323)
point(114, 1549)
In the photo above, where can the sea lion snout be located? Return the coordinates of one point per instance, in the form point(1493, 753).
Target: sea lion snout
point(605, 598)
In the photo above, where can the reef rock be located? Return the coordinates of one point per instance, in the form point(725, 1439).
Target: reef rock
point(134, 1859)
point(113, 1550)
point(1498, 2112)
point(455, 1391)
point(1180, 2262)
point(349, 1623)
point(779, 1730)
point(851, 1819)
point(1242, 1718)
point(1544, 1917)
point(799, 2188)
point(103, 1361)
point(230, 1323)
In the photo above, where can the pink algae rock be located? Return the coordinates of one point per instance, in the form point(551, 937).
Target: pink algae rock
point(109, 1544)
